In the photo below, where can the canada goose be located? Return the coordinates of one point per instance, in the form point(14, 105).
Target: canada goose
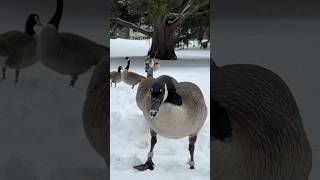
point(130, 78)
point(256, 107)
point(151, 62)
point(96, 109)
point(18, 49)
point(67, 53)
point(115, 76)
point(173, 110)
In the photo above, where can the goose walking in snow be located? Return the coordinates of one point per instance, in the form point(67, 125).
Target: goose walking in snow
point(18, 49)
point(130, 78)
point(67, 53)
point(173, 110)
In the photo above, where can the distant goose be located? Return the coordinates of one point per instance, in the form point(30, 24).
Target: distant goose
point(18, 49)
point(115, 76)
point(151, 62)
point(130, 78)
point(67, 53)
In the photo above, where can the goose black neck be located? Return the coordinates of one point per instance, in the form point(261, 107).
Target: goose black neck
point(128, 65)
point(173, 97)
point(119, 69)
point(55, 20)
point(29, 28)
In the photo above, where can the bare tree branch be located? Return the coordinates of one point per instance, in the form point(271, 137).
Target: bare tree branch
point(131, 25)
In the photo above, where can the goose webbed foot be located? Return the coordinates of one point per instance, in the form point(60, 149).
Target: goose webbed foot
point(147, 165)
point(191, 164)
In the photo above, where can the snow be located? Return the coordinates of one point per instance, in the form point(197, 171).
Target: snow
point(129, 133)
point(41, 130)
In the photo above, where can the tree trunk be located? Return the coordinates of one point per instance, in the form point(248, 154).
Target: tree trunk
point(163, 42)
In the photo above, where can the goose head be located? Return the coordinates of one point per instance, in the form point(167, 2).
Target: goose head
point(119, 69)
point(32, 21)
point(151, 63)
point(159, 93)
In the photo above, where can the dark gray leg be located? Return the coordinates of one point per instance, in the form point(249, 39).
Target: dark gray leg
point(132, 86)
point(17, 75)
point(149, 164)
point(192, 141)
point(4, 73)
point(73, 80)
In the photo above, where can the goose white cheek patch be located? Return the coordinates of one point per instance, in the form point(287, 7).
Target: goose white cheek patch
point(165, 92)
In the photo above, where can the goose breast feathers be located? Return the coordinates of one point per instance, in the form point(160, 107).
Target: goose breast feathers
point(174, 121)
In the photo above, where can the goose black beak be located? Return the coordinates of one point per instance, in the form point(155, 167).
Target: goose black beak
point(153, 113)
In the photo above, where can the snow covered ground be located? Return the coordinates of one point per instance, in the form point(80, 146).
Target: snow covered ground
point(41, 132)
point(130, 139)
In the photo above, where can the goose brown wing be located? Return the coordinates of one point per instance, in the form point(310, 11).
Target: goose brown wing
point(15, 41)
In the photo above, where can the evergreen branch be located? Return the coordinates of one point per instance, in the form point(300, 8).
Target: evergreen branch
point(130, 25)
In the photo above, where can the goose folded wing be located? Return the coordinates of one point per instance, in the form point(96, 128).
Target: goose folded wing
point(14, 41)
point(75, 44)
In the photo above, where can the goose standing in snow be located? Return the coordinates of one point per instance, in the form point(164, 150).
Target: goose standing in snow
point(173, 110)
point(115, 76)
point(18, 49)
point(67, 53)
point(130, 78)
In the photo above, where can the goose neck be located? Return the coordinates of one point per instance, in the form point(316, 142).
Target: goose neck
point(55, 20)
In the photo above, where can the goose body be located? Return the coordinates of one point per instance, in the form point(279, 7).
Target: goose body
point(115, 76)
point(268, 139)
point(95, 110)
point(131, 78)
point(67, 53)
point(173, 110)
point(18, 49)
point(174, 121)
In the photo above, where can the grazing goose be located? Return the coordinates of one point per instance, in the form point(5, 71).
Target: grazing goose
point(173, 110)
point(67, 53)
point(96, 109)
point(256, 107)
point(130, 78)
point(115, 76)
point(18, 49)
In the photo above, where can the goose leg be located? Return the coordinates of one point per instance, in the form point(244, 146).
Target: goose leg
point(132, 86)
point(192, 141)
point(149, 164)
point(17, 75)
point(73, 80)
point(4, 73)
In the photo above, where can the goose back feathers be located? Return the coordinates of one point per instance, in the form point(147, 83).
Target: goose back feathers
point(95, 110)
point(268, 138)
